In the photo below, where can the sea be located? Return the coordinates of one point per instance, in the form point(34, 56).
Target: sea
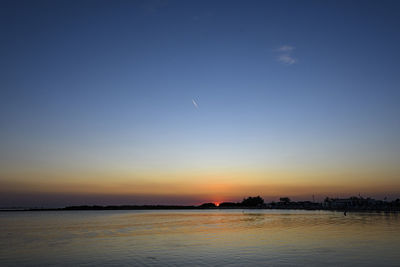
point(199, 238)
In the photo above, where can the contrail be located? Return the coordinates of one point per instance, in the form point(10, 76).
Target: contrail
point(195, 104)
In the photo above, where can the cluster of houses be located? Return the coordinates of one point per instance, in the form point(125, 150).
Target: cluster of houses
point(346, 204)
point(361, 203)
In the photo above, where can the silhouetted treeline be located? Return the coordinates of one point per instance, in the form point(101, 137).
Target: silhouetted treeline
point(342, 204)
point(250, 202)
point(130, 207)
point(348, 204)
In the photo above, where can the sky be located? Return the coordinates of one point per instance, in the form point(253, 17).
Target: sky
point(185, 102)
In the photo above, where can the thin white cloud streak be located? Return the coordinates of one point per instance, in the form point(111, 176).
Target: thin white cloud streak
point(285, 48)
point(286, 59)
point(285, 55)
point(195, 104)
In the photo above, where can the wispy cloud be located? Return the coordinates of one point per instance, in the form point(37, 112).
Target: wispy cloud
point(285, 55)
point(285, 48)
point(286, 59)
point(195, 104)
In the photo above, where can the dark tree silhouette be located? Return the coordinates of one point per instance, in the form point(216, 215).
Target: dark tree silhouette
point(253, 201)
point(285, 199)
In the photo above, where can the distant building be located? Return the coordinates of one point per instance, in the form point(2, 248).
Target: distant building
point(352, 203)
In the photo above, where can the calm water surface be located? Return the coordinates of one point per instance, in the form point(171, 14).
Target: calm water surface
point(228, 238)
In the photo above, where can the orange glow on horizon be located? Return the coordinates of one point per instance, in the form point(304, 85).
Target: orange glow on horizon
point(197, 187)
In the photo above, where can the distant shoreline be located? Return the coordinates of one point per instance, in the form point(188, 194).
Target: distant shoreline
point(164, 207)
point(329, 204)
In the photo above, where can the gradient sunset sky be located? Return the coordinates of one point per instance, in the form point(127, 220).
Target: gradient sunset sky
point(184, 102)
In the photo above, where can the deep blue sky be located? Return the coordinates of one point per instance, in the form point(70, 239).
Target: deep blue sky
point(279, 84)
